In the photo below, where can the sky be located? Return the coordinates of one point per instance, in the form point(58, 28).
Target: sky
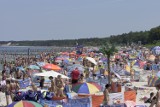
point(75, 19)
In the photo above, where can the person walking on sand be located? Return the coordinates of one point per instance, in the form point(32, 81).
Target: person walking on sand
point(106, 94)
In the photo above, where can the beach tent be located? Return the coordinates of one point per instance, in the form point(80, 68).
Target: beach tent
point(51, 73)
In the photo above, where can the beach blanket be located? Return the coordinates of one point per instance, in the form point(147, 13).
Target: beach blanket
point(130, 96)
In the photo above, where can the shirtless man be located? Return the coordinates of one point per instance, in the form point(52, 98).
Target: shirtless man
point(7, 91)
point(14, 87)
point(60, 86)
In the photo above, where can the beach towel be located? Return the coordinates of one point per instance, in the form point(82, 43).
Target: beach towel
point(130, 96)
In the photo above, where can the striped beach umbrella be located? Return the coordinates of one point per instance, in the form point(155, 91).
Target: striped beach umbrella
point(86, 88)
point(25, 104)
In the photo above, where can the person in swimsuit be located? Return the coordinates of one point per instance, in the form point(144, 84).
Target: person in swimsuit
point(14, 87)
point(60, 86)
point(106, 94)
point(7, 91)
point(52, 88)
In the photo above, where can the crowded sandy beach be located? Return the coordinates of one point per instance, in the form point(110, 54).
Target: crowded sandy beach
point(82, 78)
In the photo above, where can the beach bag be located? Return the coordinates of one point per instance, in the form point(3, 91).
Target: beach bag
point(49, 95)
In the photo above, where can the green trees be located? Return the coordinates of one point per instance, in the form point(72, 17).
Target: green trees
point(146, 37)
point(108, 51)
point(154, 34)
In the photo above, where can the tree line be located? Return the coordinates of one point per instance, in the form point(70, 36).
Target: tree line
point(146, 37)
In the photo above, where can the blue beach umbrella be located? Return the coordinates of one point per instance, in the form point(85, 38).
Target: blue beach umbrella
point(34, 67)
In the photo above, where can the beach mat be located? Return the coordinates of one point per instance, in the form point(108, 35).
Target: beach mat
point(130, 96)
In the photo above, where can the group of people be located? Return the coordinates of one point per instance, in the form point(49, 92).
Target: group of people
point(61, 86)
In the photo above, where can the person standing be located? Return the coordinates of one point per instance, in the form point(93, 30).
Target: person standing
point(42, 82)
point(59, 86)
point(7, 91)
point(75, 76)
point(52, 88)
point(106, 94)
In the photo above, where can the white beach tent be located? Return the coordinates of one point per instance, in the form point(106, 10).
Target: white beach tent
point(51, 73)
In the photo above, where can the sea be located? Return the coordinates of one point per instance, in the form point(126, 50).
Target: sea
point(10, 51)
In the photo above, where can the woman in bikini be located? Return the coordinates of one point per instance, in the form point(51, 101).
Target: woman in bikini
point(60, 86)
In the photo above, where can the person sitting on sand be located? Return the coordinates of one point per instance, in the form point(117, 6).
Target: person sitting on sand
point(153, 101)
point(149, 100)
point(106, 94)
point(60, 86)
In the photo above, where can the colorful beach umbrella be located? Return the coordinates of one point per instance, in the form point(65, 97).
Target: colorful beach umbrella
point(33, 67)
point(40, 63)
point(52, 67)
point(85, 88)
point(25, 104)
point(20, 68)
point(92, 60)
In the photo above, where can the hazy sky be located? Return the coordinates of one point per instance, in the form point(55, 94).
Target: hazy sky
point(73, 19)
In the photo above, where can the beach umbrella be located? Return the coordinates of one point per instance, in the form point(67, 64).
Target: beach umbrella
point(80, 69)
point(40, 63)
point(92, 60)
point(74, 66)
point(52, 67)
point(33, 67)
point(20, 68)
point(25, 104)
point(156, 50)
point(50, 73)
point(85, 88)
point(30, 72)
